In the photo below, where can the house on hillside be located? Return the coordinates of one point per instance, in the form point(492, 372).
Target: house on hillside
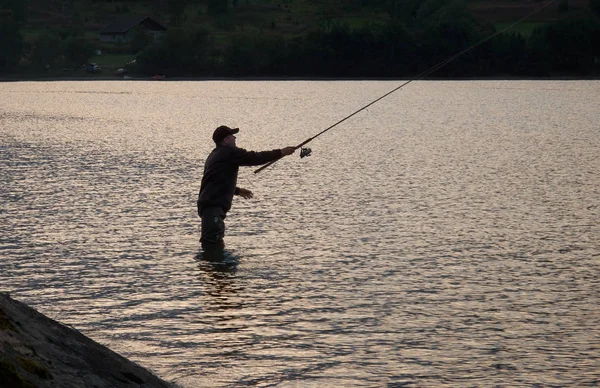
point(119, 30)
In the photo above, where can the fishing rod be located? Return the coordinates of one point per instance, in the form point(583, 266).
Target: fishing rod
point(306, 151)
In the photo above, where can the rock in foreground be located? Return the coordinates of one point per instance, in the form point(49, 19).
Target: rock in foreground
point(36, 351)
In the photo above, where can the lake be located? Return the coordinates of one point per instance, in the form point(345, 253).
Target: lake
point(448, 235)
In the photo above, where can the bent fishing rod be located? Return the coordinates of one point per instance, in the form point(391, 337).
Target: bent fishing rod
point(307, 151)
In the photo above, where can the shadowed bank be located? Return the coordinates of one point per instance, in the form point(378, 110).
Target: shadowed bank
point(37, 351)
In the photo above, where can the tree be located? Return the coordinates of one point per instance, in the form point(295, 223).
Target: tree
point(18, 9)
point(11, 43)
point(139, 39)
point(595, 7)
point(181, 51)
point(243, 56)
point(508, 54)
point(77, 51)
point(538, 63)
point(427, 11)
point(217, 7)
point(571, 46)
point(402, 10)
point(563, 6)
point(46, 50)
point(12, 14)
point(177, 10)
point(153, 59)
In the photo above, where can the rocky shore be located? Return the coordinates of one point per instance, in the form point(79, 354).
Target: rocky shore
point(36, 351)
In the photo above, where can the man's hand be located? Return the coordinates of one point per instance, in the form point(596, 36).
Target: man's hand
point(287, 151)
point(245, 193)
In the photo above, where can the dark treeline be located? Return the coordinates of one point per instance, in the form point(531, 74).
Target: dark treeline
point(416, 36)
point(393, 49)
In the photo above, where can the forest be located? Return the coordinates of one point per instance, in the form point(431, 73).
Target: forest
point(308, 38)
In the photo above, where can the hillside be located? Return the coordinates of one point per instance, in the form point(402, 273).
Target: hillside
point(293, 15)
point(283, 17)
point(236, 28)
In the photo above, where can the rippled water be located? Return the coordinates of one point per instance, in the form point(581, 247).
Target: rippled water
point(447, 236)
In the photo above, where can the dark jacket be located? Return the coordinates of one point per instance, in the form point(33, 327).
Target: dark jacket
point(220, 174)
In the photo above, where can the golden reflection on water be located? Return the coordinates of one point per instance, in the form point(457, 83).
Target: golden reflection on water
point(448, 236)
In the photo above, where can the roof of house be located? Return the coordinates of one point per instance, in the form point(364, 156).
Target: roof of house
point(125, 22)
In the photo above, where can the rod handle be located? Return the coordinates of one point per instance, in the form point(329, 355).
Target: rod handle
point(273, 161)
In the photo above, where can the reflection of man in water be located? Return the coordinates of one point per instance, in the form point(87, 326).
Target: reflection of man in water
point(219, 182)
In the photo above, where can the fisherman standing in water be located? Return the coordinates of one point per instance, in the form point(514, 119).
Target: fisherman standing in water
point(219, 182)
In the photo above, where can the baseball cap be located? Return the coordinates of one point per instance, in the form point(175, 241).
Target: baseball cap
point(222, 132)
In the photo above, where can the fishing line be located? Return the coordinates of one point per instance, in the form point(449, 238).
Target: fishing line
point(423, 74)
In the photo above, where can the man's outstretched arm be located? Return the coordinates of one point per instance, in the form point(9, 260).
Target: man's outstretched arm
point(253, 158)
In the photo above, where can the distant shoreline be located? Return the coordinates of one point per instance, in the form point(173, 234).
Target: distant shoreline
point(22, 78)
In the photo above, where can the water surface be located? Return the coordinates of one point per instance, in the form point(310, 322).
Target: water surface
point(446, 236)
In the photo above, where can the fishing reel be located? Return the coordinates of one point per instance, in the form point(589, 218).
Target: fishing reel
point(305, 151)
